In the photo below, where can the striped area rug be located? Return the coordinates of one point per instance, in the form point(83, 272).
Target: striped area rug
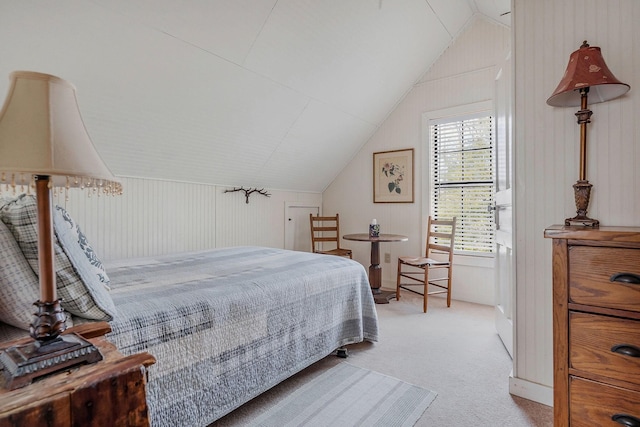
point(347, 395)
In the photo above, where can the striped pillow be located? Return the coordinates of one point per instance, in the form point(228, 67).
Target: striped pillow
point(82, 294)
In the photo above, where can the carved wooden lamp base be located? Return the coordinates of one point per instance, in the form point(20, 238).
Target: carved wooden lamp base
point(48, 352)
point(582, 220)
point(23, 364)
point(582, 191)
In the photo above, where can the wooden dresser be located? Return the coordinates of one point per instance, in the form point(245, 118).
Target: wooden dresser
point(596, 325)
point(107, 393)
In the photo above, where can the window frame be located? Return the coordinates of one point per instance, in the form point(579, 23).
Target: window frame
point(444, 116)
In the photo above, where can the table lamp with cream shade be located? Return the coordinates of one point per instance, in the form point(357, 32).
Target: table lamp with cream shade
point(586, 74)
point(43, 145)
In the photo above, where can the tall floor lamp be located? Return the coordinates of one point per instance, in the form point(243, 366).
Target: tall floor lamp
point(44, 143)
point(586, 73)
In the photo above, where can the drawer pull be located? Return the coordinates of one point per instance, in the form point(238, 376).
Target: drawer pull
point(626, 420)
point(630, 278)
point(626, 350)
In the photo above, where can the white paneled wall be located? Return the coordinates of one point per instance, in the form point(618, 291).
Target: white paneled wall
point(155, 217)
point(152, 217)
point(351, 192)
point(547, 150)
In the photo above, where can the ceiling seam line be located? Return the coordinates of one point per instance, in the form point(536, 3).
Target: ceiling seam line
point(287, 133)
point(266, 77)
point(454, 76)
point(253, 43)
point(438, 17)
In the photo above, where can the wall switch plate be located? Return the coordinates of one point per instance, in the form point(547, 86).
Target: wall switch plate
point(387, 257)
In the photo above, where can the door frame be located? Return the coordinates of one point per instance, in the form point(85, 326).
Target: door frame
point(484, 261)
point(288, 217)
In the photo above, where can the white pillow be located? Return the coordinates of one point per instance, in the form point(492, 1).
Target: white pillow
point(78, 249)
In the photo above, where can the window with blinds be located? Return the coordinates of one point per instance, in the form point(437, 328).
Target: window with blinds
point(462, 179)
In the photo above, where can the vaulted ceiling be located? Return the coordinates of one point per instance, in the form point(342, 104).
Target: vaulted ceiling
point(278, 94)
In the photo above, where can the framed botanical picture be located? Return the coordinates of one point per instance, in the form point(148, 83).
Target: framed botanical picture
point(393, 176)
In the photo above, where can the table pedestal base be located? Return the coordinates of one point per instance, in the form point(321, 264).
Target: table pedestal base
point(383, 297)
point(375, 270)
point(375, 278)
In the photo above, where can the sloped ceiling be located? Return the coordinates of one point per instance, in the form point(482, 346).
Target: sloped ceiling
point(278, 94)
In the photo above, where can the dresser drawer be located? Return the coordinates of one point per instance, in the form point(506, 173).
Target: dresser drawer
point(594, 404)
point(593, 339)
point(592, 277)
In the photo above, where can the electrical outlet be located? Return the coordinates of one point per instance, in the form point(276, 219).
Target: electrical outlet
point(387, 257)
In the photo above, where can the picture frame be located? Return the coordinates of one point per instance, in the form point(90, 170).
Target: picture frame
point(393, 176)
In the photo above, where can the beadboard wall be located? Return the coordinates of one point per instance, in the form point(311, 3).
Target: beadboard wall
point(547, 151)
point(155, 217)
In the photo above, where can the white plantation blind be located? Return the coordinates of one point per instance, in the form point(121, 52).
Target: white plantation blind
point(462, 179)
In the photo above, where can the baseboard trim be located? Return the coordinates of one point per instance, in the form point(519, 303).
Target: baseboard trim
point(532, 391)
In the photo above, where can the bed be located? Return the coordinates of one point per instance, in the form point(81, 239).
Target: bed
point(225, 324)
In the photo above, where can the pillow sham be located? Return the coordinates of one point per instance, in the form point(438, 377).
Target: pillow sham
point(19, 287)
point(82, 292)
point(78, 249)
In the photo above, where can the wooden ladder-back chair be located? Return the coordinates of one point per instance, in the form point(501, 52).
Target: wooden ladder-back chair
point(326, 229)
point(440, 236)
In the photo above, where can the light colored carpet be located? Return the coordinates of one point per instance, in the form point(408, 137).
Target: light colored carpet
point(347, 395)
point(454, 351)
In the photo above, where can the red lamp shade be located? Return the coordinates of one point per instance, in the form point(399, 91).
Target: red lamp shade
point(587, 69)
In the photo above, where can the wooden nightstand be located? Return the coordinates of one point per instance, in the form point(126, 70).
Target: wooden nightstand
point(107, 393)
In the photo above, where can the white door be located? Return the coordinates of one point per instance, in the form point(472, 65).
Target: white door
point(505, 271)
point(297, 230)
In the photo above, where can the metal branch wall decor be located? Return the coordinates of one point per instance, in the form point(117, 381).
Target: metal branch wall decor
point(249, 191)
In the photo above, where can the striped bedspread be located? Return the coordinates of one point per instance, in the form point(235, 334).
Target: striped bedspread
point(226, 325)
